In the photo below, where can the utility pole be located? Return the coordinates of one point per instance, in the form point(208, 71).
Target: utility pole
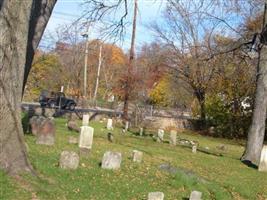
point(98, 71)
point(86, 35)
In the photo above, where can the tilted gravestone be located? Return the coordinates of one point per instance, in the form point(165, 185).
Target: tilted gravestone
point(69, 160)
point(85, 120)
point(109, 124)
point(160, 135)
point(156, 196)
point(111, 160)
point(173, 137)
point(263, 159)
point(137, 156)
point(46, 132)
point(195, 195)
point(86, 137)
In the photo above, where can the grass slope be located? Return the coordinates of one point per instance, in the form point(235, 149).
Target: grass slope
point(218, 177)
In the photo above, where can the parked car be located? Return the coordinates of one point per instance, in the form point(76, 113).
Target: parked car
point(56, 100)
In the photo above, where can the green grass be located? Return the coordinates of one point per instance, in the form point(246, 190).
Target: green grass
point(218, 177)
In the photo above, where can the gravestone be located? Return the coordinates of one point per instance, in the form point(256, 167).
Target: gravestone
point(69, 160)
point(109, 124)
point(195, 195)
point(173, 137)
point(86, 137)
point(111, 160)
point(137, 156)
point(194, 149)
point(85, 120)
point(156, 196)
point(141, 131)
point(46, 132)
point(35, 123)
point(160, 135)
point(263, 159)
point(73, 140)
point(126, 126)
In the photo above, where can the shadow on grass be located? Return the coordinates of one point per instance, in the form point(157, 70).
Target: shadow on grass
point(249, 164)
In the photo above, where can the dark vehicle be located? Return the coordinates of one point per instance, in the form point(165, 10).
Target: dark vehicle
point(56, 100)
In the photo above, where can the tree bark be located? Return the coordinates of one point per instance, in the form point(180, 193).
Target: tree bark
point(18, 24)
point(40, 14)
point(14, 20)
point(257, 130)
point(129, 78)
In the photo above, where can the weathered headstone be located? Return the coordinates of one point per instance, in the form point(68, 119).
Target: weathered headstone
point(109, 124)
point(173, 137)
point(194, 149)
point(111, 160)
point(126, 125)
point(141, 131)
point(137, 156)
point(85, 120)
point(86, 137)
point(73, 140)
point(46, 132)
point(195, 195)
point(263, 159)
point(69, 160)
point(35, 123)
point(73, 126)
point(156, 196)
point(160, 135)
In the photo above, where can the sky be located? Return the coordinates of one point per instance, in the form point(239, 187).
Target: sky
point(67, 11)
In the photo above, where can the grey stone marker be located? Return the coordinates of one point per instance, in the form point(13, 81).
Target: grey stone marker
point(69, 160)
point(137, 156)
point(141, 131)
point(109, 124)
point(156, 196)
point(160, 135)
point(173, 137)
point(195, 195)
point(111, 160)
point(194, 148)
point(263, 159)
point(86, 137)
point(46, 132)
point(85, 120)
point(73, 140)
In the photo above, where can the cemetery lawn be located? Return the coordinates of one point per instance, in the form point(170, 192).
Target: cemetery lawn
point(217, 177)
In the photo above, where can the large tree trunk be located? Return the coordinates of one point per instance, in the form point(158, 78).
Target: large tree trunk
point(257, 129)
point(129, 78)
point(17, 21)
point(14, 20)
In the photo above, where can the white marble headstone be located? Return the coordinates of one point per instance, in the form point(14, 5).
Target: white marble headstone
point(137, 156)
point(173, 137)
point(156, 196)
point(263, 159)
point(86, 137)
point(195, 195)
point(85, 120)
point(160, 135)
point(126, 125)
point(109, 124)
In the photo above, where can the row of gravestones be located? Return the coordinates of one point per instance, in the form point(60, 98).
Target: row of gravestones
point(111, 160)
